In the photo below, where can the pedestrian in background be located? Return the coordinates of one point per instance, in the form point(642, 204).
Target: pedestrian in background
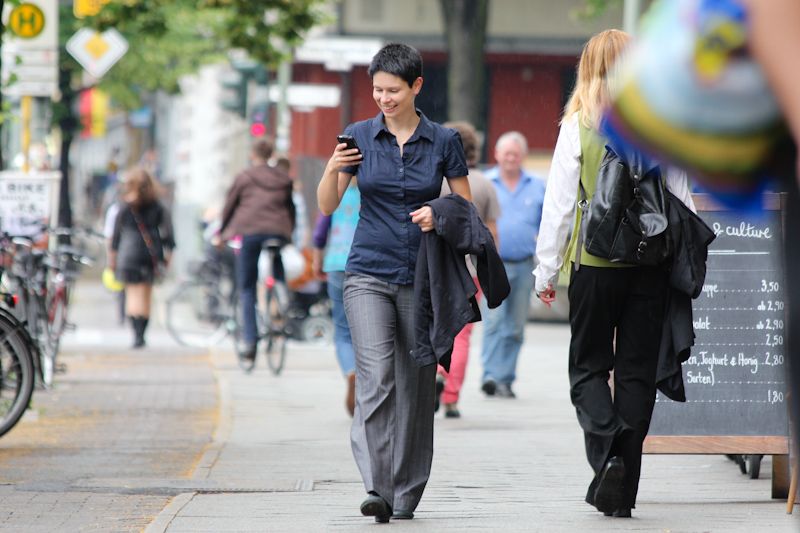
point(402, 161)
point(484, 198)
point(329, 265)
point(608, 300)
point(521, 196)
point(141, 246)
point(258, 207)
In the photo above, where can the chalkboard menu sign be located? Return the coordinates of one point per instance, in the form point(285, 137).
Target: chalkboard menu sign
point(735, 378)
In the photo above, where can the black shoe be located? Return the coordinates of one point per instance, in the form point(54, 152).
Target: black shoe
point(608, 496)
point(451, 411)
point(439, 389)
point(402, 515)
point(619, 513)
point(377, 507)
point(504, 391)
point(247, 357)
point(489, 387)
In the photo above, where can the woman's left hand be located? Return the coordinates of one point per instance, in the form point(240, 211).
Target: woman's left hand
point(423, 217)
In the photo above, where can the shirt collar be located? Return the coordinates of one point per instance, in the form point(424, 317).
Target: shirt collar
point(424, 128)
point(494, 174)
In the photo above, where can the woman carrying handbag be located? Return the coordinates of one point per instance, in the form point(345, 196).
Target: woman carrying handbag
point(141, 247)
point(616, 310)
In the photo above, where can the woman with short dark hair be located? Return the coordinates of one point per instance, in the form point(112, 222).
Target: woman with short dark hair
point(401, 161)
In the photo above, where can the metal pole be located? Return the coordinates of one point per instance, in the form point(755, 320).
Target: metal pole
point(282, 117)
point(630, 16)
point(25, 136)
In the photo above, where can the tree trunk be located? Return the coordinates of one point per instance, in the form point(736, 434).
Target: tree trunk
point(465, 27)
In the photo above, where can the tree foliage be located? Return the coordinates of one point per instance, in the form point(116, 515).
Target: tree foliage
point(594, 9)
point(171, 38)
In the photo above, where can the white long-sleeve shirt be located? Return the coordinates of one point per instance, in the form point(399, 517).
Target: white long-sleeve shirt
point(561, 200)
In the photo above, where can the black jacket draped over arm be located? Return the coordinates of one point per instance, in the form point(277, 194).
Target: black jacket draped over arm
point(444, 291)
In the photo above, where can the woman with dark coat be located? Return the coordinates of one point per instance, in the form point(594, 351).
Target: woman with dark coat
point(141, 247)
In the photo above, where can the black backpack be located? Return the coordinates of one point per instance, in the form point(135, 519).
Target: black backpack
point(626, 220)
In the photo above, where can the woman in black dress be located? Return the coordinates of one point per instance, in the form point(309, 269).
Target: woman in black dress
point(141, 247)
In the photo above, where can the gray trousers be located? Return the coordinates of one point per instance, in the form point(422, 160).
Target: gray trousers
point(392, 431)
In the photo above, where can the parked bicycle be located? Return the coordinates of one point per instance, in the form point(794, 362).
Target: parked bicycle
point(42, 280)
point(17, 367)
point(200, 311)
point(64, 265)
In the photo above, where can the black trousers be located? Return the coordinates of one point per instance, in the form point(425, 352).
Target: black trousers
point(629, 301)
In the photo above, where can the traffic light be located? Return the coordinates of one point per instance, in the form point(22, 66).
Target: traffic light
point(258, 127)
point(236, 100)
point(236, 85)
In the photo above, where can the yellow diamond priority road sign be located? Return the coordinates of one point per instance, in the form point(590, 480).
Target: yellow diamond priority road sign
point(97, 52)
point(26, 21)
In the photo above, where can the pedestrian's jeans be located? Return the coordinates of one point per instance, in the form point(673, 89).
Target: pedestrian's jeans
point(504, 326)
point(341, 336)
point(247, 276)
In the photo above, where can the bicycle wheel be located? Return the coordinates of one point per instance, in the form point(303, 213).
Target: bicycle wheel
point(197, 314)
point(16, 373)
point(277, 326)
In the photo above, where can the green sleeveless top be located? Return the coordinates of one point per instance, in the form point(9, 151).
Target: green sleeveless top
point(593, 148)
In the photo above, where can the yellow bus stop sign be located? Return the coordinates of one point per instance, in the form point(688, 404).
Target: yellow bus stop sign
point(26, 21)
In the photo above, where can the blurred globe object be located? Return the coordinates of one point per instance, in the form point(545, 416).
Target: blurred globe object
point(689, 93)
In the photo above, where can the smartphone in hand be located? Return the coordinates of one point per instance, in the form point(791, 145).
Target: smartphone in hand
point(349, 141)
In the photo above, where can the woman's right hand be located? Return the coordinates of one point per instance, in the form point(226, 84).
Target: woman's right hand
point(547, 296)
point(342, 158)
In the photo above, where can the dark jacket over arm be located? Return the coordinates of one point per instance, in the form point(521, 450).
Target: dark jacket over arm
point(443, 288)
point(687, 272)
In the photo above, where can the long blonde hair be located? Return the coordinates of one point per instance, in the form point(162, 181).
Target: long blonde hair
point(591, 89)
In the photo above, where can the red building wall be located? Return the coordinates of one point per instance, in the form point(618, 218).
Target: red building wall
point(525, 94)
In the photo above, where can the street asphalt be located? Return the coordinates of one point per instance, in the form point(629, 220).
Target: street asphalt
point(174, 439)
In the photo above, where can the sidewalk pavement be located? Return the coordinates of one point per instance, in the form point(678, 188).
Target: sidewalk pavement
point(279, 457)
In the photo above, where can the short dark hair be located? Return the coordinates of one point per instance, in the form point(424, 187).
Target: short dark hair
point(262, 148)
point(399, 60)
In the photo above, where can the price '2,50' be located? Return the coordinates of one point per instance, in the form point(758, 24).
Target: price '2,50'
point(774, 340)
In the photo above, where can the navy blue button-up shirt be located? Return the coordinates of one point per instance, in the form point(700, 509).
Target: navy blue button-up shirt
point(386, 242)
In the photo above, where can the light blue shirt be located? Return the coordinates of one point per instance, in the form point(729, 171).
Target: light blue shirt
point(518, 225)
point(343, 227)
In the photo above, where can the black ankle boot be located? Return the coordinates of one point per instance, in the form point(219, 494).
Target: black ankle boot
point(143, 321)
point(139, 324)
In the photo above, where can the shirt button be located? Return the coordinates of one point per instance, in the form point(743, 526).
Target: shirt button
point(401, 170)
point(405, 245)
point(402, 225)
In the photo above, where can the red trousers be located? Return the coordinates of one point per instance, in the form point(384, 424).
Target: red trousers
point(458, 361)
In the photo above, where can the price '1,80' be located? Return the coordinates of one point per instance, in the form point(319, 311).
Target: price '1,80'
point(774, 396)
